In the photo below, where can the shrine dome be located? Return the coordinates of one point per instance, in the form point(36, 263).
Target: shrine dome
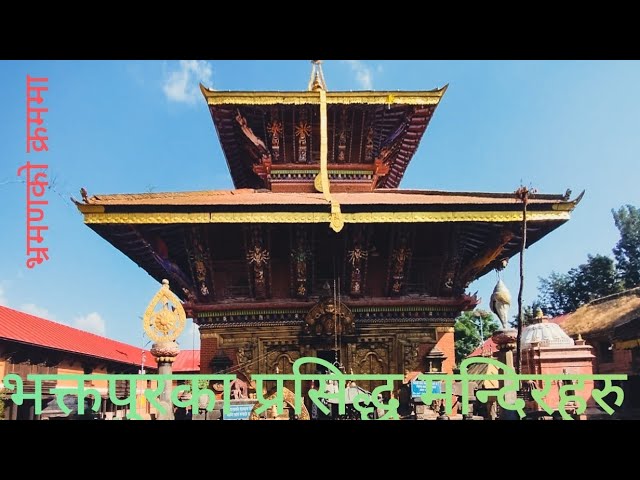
point(544, 334)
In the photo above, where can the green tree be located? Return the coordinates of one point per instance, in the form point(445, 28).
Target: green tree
point(4, 396)
point(467, 331)
point(564, 293)
point(627, 250)
point(529, 312)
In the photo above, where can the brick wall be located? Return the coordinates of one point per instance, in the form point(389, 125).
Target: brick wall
point(446, 343)
point(208, 348)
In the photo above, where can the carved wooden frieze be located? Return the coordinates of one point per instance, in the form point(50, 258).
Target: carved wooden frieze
point(324, 319)
point(410, 356)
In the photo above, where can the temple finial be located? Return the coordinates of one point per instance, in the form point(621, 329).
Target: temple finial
point(316, 82)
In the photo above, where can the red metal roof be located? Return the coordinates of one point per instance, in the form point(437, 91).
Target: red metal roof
point(29, 329)
point(187, 361)
point(488, 348)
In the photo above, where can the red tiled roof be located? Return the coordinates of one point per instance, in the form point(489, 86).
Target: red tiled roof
point(489, 347)
point(187, 361)
point(29, 329)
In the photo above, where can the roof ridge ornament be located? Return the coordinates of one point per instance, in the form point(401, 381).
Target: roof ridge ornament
point(316, 82)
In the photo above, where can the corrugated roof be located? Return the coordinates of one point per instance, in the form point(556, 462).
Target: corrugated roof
point(247, 196)
point(25, 328)
point(187, 361)
point(487, 349)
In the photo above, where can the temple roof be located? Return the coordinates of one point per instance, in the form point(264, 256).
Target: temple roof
point(373, 135)
point(485, 225)
point(397, 199)
point(603, 315)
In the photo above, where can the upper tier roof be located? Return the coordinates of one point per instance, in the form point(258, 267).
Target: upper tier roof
point(373, 135)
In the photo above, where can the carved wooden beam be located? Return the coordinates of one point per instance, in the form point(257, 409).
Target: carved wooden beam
point(399, 261)
point(300, 260)
point(356, 259)
point(486, 256)
point(258, 262)
point(160, 252)
point(200, 265)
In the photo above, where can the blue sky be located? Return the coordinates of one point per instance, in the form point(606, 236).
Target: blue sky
point(132, 126)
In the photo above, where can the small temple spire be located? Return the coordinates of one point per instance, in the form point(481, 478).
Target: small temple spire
point(316, 82)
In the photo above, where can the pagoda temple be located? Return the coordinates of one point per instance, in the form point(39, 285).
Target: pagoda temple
point(316, 252)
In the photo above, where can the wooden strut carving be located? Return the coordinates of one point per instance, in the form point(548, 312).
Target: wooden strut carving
point(300, 257)
point(486, 257)
point(399, 262)
point(357, 258)
point(368, 149)
point(274, 128)
point(199, 261)
point(342, 137)
point(302, 132)
point(160, 251)
point(249, 133)
point(258, 258)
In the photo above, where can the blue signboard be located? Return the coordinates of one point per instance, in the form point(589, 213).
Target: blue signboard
point(419, 387)
point(238, 412)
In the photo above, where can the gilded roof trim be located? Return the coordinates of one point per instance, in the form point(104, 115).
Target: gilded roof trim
point(319, 217)
point(429, 97)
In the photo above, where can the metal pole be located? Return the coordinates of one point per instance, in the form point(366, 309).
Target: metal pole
point(523, 195)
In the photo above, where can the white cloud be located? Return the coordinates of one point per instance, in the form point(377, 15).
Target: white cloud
point(34, 309)
point(364, 75)
point(182, 85)
point(92, 322)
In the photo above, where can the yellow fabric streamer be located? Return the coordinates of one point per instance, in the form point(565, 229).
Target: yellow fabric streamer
point(337, 222)
point(324, 148)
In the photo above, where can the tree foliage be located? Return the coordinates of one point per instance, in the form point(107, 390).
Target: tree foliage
point(565, 292)
point(627, 250)
point(529, 312)
point(4, 396)
point(467, 331)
